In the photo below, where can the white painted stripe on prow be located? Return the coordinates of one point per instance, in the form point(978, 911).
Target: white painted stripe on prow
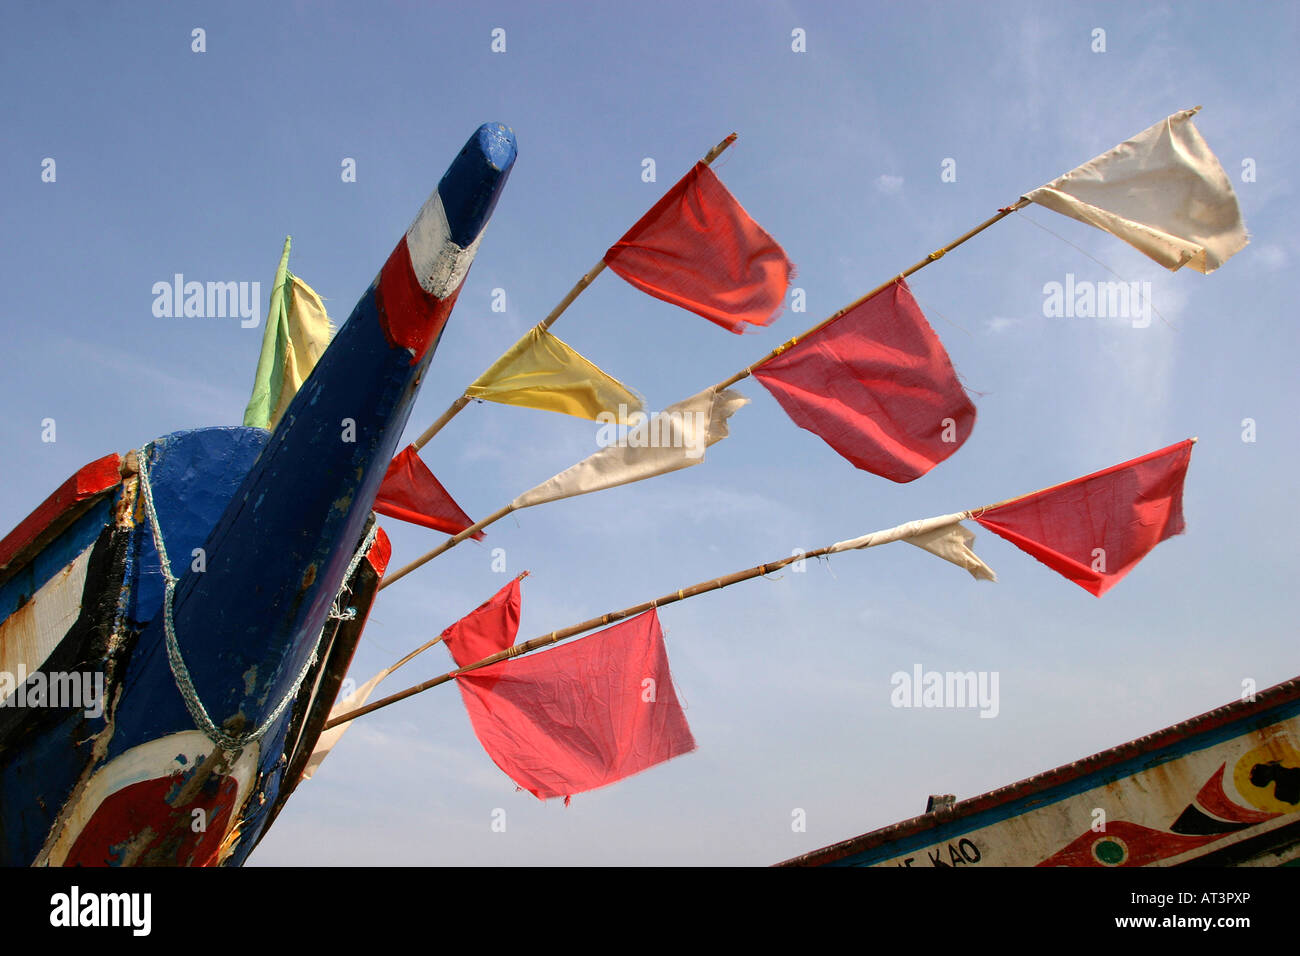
point(30, 634)
point(439, 263)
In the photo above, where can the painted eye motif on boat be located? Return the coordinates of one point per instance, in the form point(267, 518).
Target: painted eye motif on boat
point(1110, 851)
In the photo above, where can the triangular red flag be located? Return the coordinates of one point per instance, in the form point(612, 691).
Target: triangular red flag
point(583, 715)
point(698, 249)
point(877, 386)
point(411, 493)
point(1095, 529)
point(488, 629)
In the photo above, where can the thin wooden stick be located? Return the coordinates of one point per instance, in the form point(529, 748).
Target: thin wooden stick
point(424, 647)
point(932, 257)
point(443, 419)
point(446, 545)
point(555, 313)
point(573, 293)
point(555, 636)
point(415, 653)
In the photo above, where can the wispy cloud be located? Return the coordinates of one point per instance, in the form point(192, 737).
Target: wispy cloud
point(1271, 257)
point(889, 185)
point(205, 400)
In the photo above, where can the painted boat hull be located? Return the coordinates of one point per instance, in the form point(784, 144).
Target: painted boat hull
point(203, 733)
point(1221, 789)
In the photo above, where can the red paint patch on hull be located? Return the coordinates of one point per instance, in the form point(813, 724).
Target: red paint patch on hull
point(126, 813)
point(409, 316)
point(94, 478)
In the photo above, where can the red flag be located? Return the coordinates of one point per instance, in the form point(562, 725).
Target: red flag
point(410, 492)
point(490, 628)
point(877, 386)
point(583, 715)
point(698, 249)
point(1095, 529)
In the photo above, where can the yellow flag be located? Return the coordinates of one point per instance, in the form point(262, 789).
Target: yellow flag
point(305, 339)
point(297, 332)
point(540, 371)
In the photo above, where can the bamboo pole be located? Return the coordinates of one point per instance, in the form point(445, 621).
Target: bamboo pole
point(555, 636)
point(446, 545)
point(671, 597)
point(932, 257)
point(555, 313)
point(424, 647)
point(452, 411)
point(415, 653)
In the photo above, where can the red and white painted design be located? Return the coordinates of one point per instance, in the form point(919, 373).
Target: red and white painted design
point(419, 283)
point(439, 263)
point(130, 807)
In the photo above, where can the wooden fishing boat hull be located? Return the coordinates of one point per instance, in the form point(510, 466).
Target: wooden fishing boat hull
point(212, 690)
point(1221, 789)
point(139, 754)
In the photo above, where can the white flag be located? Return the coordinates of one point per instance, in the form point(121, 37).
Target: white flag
point(1163, 192)
point(663, 442)
point(943, 537)
point(326, 741)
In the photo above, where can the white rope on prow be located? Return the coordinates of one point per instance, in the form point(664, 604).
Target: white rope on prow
point(180, 672)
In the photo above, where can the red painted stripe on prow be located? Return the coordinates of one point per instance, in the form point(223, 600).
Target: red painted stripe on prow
point(380, 552)
point(94, 478)
point(409, 316)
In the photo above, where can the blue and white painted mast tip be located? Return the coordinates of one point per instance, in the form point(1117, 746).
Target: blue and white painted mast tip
point(471, 185)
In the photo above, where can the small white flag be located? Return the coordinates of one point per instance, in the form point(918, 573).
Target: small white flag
point(663, 442)
point(944, 537)
point(1163, 192)
point(326, 741)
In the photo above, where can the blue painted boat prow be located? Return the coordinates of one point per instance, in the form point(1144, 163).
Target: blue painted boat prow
point(212, 682)
point(472, 184)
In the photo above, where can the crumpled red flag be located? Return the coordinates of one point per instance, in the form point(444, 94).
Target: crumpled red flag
point(583, 715)
point(411, 493)
point(698, 249)
point(877, 386)
point(488, 629)
point(1095, 529)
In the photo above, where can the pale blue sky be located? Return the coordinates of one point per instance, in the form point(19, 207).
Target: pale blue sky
point(173, 161)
